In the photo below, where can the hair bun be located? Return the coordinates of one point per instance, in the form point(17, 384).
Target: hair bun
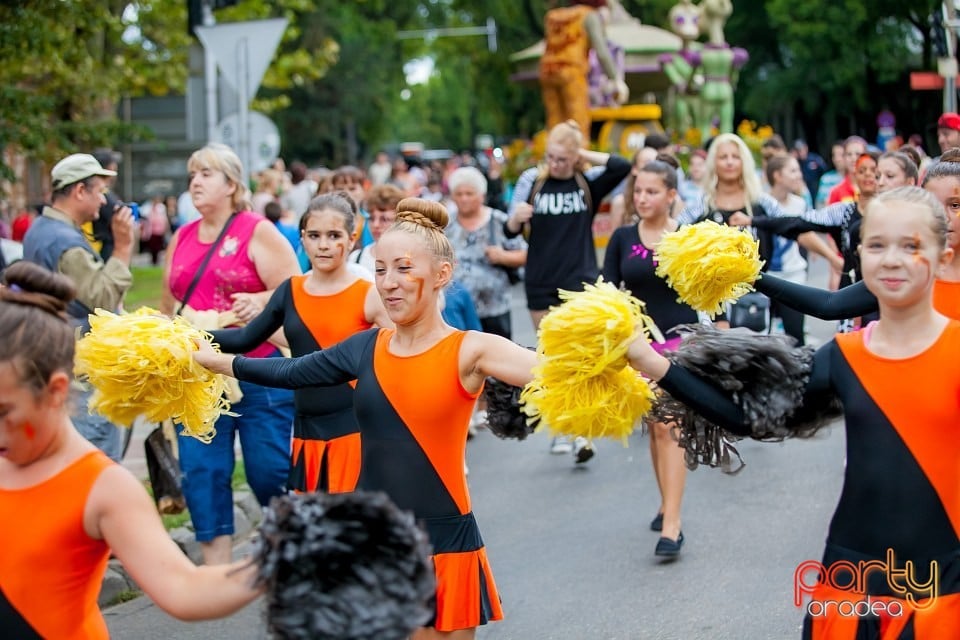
point(30, 284)
point(426, 213)
point(951, 155)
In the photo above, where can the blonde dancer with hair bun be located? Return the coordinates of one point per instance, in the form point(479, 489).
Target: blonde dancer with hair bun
point(416, 387)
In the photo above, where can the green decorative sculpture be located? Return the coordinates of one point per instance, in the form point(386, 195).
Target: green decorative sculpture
point(721, 64)
point(681, 67)
point(704, 76)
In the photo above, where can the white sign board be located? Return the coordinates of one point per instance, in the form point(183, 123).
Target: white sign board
point(264, 139)
point(258, 38)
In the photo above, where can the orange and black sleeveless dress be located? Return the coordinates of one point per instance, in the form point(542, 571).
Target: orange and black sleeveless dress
point(901, 490)
point(900, 499)
point(413, 414)
point(50, 569)
point(325, 453)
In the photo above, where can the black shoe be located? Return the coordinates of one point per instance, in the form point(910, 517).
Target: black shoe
point(582, 451)
point(668, 548)
point(657, 523)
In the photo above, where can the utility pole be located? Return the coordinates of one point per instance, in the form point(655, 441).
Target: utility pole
point(490, 30)
point(947, 65)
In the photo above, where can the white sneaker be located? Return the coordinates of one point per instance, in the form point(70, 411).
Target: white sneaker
point(479, 419)
point(582, 451)
point(561, 445)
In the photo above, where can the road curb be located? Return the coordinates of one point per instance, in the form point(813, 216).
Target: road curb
point(118, 586)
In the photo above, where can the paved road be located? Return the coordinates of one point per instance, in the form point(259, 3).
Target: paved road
point(573, 556)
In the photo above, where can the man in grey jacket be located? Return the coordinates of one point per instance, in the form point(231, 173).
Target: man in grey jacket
point(55, 241)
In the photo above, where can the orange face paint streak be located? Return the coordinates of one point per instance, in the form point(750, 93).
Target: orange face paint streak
point(408, 262)
point(919, 258)
point(29, 431)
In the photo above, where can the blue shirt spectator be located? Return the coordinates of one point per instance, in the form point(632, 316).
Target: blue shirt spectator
point(458, 309)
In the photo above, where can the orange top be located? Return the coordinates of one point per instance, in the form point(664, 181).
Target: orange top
point(426, 392)
point(567, 43)
point(926, 417)
point(331, 318)
point(50, 569)
point(946, 298)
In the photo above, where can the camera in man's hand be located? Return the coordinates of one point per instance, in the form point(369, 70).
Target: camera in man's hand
point(134, 209)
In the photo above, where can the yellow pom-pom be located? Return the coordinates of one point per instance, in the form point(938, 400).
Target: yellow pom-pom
point(582, 384)
point(140, 364)
point(709, 264)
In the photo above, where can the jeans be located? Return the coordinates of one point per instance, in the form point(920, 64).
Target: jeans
point(102, 433)
point(264, 425)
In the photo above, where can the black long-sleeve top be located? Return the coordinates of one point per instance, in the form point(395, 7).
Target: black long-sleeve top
point(901, 488)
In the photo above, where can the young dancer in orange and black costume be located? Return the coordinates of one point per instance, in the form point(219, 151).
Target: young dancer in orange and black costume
point(416, 387)
point(898, 381)
point(64, 505)
point(316, 311)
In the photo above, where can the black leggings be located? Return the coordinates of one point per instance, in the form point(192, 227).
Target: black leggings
point(792, 320)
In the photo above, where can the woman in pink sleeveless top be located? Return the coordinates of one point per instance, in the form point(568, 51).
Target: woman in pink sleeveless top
point(251, 258)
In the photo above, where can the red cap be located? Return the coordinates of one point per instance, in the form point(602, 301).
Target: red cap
point(949, 121)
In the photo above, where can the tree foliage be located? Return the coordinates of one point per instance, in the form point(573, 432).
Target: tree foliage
point(831, 67)
point(69, 63)
point(335, 86)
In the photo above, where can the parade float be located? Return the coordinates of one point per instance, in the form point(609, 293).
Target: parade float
point(674, 81)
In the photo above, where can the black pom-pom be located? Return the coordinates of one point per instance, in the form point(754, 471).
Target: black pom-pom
point(765, 374)
point(350, 566)
point(504, 415)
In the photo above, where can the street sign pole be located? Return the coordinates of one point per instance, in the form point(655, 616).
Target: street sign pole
point(243, 108)
point(210, 77)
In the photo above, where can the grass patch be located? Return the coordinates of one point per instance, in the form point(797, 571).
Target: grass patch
point(174, 521)
point(239, 479)
point(146, 289)
point(124, 596)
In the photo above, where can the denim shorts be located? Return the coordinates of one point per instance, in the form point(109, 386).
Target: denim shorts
point(264, 425)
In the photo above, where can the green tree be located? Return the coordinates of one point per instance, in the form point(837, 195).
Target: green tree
point(832, 66)
point(338, 119)
point(68, 64)
point(470, 91)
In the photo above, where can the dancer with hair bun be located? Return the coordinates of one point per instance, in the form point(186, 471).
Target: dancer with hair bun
point(416, 387)
point(64, 504)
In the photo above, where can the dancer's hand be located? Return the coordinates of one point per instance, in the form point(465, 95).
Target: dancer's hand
point(645, 359)
point(521, 215)
point(739, 219)
point(247, 306)
point(207, 357)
